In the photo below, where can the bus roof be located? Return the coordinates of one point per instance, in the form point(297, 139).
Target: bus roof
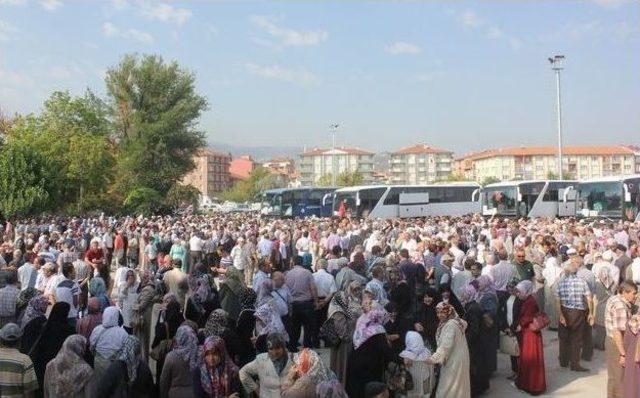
point(282, 190)
point(438, 185)
point(611, 178)
point(520, 182)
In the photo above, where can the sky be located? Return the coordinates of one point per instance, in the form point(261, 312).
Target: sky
point(458, 75)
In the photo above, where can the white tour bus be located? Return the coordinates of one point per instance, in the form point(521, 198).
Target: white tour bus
point(611, 197)
point(405, 201)
point(535, 198)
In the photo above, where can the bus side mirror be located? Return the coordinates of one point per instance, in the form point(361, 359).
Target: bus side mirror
point(474, 193)
point(566, 192)
point(358, 201)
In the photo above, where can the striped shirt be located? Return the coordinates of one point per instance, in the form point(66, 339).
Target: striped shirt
point(616, 314)
point(17, 376)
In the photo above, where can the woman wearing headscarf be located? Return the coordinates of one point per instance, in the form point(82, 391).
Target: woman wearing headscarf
point(128, 376)
point(106, 340)
point(266, 374)
point(244, 327)
point(478, 353)
point(22, 302)
point(452, 354)
point(487, 298)
point(427, 318)
point(86, 324)
point(218, 325)
point(344, 309)
point(169, 320)
point(98, 289)
point(371, 353)
point(142, 310)
point(202, 297)
point(68, 375)
point(531, 374)
point(415, 357)
point(53, 333)
point(267, 317)
point(32, 321)
point(127, 296)
point(176, 380)
point(604, 289)
point(216, 376)
point(231, 290)
point(307, 372)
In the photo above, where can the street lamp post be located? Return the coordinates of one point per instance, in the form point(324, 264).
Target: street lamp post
point(334, 129)
point(557, 64)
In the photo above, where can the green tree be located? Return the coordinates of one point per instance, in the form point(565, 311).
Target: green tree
point(566, 175)
point(453, 177)
point(345, 179)
point(183, 195)
point(259, 180)
point(489, 180)
point(144, 201)
point(155, 110)
point(27, 181)
point(74, 134)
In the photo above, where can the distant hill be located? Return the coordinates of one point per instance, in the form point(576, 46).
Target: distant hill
point(258, 153)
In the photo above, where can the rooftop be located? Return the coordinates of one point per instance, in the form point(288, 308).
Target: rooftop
point(606, 150)
point(339, 149)
point(418, 149)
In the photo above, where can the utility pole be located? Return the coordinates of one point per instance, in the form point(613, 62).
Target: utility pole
point(334, 129)
point(557, 64)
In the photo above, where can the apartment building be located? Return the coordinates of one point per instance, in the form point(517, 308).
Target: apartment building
point(211, 174)
point(420, 164)
point(524, 163)
point(319, 162)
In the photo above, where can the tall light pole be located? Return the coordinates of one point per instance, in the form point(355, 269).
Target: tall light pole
point(334, 129)
point(557, 64)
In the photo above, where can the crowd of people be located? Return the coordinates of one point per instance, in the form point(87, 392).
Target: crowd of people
point(240, 305)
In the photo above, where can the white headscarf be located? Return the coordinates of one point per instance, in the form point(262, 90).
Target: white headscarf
point(415, 349)
point(525, 287)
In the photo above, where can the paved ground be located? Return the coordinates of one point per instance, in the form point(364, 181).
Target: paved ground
point(561, 382)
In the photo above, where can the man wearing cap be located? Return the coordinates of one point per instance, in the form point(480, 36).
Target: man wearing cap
point(18, 376)
point(442, 273)
point(574, 306)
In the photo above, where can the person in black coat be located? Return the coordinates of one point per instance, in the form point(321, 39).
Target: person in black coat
point(128, 375)
point(508, 316)
point(371, 353)
point(53, 333)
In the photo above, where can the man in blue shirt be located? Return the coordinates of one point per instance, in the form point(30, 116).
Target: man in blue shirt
point(574, 305)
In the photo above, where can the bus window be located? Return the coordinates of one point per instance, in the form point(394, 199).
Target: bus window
point(315, 197)
point(436, 195)
point(530, 193)
point(551, 195)
point(393, 197)
point(503, 199)
point(602, 197)
point(369, 198)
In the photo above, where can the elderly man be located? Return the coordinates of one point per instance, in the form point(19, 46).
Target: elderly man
point(502, 273)
point(304, 300)
point(616, 315)
point(266, 374)
point(18, 375)
point(574, 306)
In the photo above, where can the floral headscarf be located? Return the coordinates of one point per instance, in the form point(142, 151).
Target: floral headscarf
point(129, 354)
point(36, 308)
point(450, 315)
point(186, 346)
point(369, 325)
point(269, 320)
point(68, 370)
point(308, 363)
point(468, 294)
point(217, 382)
point(24, 297)
point(217, 323)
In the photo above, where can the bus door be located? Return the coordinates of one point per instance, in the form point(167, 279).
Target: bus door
point(327, 205)
point(413, 205)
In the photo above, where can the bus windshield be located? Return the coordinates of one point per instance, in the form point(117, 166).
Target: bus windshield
point(503, 199)
point(346, 200)
point(605, 198)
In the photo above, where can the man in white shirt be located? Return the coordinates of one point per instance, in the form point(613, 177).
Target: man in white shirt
point(239, 257)
point(326, 288)
point(68, 291)
point(195, 250)
point(28, 273)
point(302, 244)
